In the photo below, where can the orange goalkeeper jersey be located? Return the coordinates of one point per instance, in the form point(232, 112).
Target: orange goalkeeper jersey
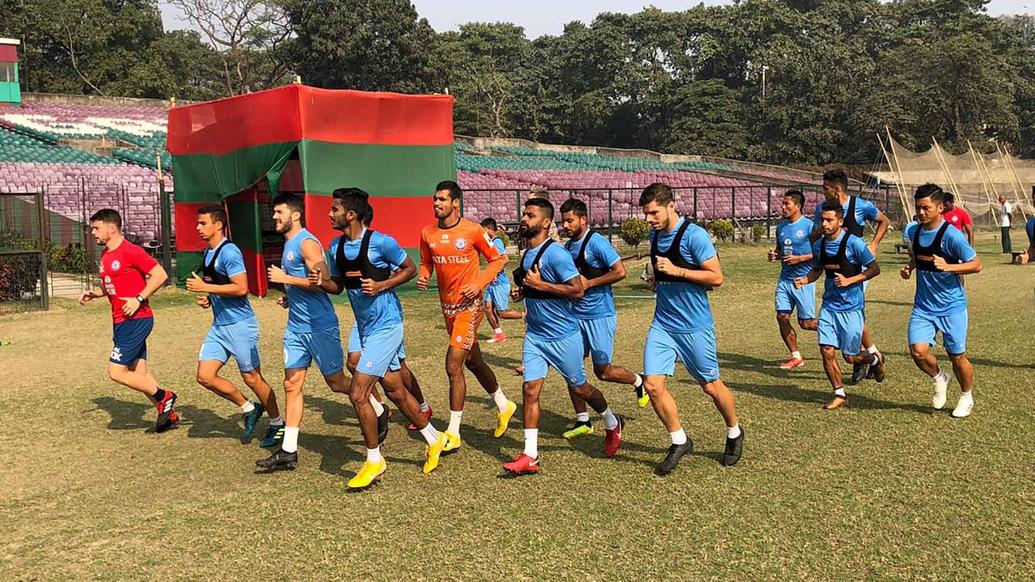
point(453, 254)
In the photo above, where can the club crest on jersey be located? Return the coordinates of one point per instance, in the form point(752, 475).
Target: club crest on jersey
point(460, 244)
point(290, 256)
point(800, 233)
point(115, 265)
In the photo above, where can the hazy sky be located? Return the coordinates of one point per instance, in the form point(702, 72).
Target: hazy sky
point(540, 17)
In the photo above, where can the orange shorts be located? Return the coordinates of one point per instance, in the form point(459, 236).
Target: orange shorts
point(462, 326)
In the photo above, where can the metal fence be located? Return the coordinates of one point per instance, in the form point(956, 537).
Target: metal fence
point(23, 253)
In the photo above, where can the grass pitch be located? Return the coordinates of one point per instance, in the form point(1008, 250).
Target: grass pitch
point(884, 488)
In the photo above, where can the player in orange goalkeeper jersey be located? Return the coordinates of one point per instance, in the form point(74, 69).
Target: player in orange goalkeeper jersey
point(451, 247)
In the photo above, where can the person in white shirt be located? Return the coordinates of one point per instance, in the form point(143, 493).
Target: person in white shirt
point(1005, 223)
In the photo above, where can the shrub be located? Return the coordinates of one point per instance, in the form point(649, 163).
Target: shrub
point(721, 229)
point(634, 231)
point(19, 274)
point(758, 232)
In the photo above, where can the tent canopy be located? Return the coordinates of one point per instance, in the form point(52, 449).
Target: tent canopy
point(396, 147)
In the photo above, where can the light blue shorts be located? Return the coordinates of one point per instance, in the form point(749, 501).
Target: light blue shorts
point(696, 349)
point(841, 329)
point(381, 351)
point(355, 346)
point(563, 355)
point(789, 299)
point(499, 295)
point(239, 339)
point(924, 326)
point(598, 338)
point(324, 346)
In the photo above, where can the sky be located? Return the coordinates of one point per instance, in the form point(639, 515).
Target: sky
point(539, 17)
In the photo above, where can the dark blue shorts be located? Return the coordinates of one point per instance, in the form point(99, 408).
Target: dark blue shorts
point(130, 339)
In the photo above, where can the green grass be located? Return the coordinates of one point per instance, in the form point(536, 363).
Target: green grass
point(884, 488)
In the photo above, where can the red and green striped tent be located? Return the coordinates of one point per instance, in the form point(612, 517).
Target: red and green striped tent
point(298, 138)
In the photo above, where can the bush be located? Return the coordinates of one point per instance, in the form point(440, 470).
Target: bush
point(721, 229)
point(758, 232)
point(634, 231)
point(19, 274)
point(71, 258)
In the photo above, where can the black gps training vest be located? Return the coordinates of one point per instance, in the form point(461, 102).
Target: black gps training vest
point(353, 270)
point(839, 262)
point(208, 270)
point(520, 273)
point(673, 254)
point(585, 269)
point(924, 256)
point(850, 224)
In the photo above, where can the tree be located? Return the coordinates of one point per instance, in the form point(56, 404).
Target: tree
point(373, 45)
point(252, 37)
point(706, 118)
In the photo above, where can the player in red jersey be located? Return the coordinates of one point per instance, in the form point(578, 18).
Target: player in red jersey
point(129, 277)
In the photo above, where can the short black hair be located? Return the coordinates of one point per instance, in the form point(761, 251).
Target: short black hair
point(932, 191)
point(541, 203)
point(355, 200)
point(216, 212)
point(798, 197)
point(294, 202)
point(836, 177)
point(950, 198)
point(490, 223)
point(107, 215)
point(656, 192)
point(574, 205)
point(834, 207)
point(450, 186)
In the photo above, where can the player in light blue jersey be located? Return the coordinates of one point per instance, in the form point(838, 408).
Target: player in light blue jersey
point(497, 294)
point(1028, 255)
point(940, 254)
point(235, 331)
point(312, 329)
point(857, 212)
point(794, 251)
point(368, 266)
point(547, 281)
point(847, 262)
point(685, 267)
point(600, 267)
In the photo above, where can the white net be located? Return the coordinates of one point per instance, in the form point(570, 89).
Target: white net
point(977, 180)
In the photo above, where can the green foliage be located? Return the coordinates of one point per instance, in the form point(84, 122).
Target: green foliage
point(721, 229)
point(634, 231)
point(72, 258)
point(758, 233)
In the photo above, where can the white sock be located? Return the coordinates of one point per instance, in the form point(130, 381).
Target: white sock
point(454, 422)
point(872, 349)
point(941, 377)
point(581, 417)
point(732, 432)
point(966, 396)
point(678, 437)
point(841, 392)
point(610, 420)
point(796, 355)
point(277, 421)
point(500, 399)
point(498, 330)
point(430, 434)
point(379, 408)
point(247, 406)
point(532, 442)
point(638, 382)
point(374, 455)
point(290, 444)
point(424, 407)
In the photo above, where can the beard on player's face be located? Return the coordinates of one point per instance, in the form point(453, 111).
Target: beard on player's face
point(527, 230)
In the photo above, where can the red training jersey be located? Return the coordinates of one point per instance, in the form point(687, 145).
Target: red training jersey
point(123, 272)
point(957, 217)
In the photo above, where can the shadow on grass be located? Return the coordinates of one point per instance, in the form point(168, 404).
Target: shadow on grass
point(505, 362)
point(769, 368)
point(125, 415)
point(856, 399)
point(886, 302)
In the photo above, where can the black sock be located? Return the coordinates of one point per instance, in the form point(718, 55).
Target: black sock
point(159, 395)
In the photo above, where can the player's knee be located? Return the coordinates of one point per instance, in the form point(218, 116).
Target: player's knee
point(530, 392)
point(604, 372)
point(292, 386)
point(808, 324)
point(654, 389)
point(251, 378)
point(783, 317)
point(117, 374)
point(828, 352)
point(712, 389)
point(207, 380)
point(351, 367)
point(919, 351)
point(959, 359)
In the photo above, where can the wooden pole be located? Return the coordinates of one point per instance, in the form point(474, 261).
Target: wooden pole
point(945, 166)
point(894, 155)
point(1018, 191)
point(898, 177)
point(988, 195)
